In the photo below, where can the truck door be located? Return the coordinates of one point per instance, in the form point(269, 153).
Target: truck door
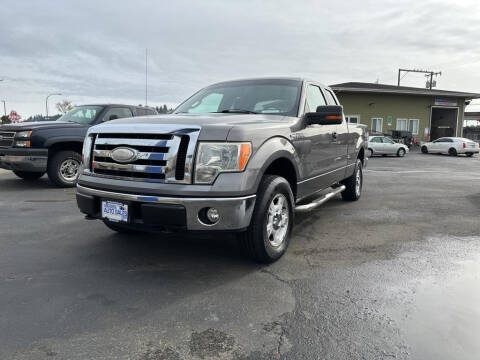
point(318, 160)
point(342, 138)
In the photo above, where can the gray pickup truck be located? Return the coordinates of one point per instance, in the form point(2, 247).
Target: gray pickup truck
point(239, 156)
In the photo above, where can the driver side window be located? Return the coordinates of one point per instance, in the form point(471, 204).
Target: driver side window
point(117, 113)
point(314, 99)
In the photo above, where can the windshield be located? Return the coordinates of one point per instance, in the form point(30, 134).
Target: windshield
point(280, 97)
point(82, 114)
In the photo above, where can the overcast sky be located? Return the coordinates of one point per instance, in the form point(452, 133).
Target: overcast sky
point(94, 51)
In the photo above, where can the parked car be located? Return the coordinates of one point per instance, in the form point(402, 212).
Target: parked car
point(452, 146)
point(382, 145)
point(238, 156)
point(31, 149)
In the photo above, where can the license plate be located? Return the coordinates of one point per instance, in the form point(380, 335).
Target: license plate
point(114, 211)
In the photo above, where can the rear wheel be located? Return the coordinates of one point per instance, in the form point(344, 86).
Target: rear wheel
point(401, 152)
point(452, 152)
point(28, 175)
point(424, 150)
point(64, 168)
point(354, 184)
point(469, 154)
point(268, 235)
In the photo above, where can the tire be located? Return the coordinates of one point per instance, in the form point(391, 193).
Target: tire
point(353, 184)
point(119, 228)
point(401, 152)
point(370, 153)
point(260, 243)
point(28, 175)
point(424, 150)
point(452, 152)
point(64, 168)
point(469, 154)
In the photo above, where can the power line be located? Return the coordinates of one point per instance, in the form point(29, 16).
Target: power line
point(427, 72)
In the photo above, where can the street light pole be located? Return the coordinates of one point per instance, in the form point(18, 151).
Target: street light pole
point(4, 108)
point(46, 103)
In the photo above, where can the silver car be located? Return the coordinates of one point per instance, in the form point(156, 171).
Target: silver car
point(382, 145)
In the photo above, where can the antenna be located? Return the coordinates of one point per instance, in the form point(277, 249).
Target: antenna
point(146, 76)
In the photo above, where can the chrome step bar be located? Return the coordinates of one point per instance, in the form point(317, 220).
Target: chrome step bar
point(320, 200)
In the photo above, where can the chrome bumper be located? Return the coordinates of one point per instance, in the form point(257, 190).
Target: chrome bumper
point(31, 163)
point(235, 212)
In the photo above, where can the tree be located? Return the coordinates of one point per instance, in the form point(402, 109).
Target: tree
point(5, 119)
point(64, 106)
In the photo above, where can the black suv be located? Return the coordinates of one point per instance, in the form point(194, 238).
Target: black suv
point(31, 149)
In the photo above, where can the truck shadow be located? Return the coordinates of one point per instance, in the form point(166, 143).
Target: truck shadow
point(14, 183)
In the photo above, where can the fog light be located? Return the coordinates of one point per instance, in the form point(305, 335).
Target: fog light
point(213, 215)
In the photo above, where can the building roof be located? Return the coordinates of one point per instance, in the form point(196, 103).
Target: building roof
point(360, 87)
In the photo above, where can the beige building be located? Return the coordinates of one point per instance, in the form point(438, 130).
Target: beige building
point(428, 114)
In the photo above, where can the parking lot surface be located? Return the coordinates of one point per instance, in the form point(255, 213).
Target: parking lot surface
point(394, 275)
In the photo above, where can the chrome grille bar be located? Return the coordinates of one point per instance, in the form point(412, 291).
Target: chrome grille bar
point(6, 138)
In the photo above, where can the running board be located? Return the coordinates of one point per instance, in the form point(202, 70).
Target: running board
point(319, 201)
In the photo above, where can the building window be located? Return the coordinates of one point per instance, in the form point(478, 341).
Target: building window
point(352, 119)
point(402, 124)
point(377, 125)
point(413, 126)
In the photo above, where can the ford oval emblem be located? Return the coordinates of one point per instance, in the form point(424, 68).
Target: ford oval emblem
point(124, 155)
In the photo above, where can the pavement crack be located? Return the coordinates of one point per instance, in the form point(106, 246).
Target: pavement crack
point(275, 276)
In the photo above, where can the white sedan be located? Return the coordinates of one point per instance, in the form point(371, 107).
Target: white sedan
point(451, 146)
point(382, 145)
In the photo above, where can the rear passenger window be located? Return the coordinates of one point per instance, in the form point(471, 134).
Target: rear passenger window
point(141, 112)
point(314, 99)
point(330, 98)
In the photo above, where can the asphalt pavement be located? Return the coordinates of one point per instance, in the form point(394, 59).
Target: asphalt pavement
point(394, 275)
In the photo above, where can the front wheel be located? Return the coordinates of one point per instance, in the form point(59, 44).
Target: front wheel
point(64, 168)
point(469, 154)
point(354, 184)
point(28, 175)
point(401, 152)
point(268, 235)
point(370, 153)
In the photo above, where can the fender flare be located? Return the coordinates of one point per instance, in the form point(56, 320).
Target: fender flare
point(273, 149)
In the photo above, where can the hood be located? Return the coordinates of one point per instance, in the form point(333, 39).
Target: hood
point(213, 126)
point(39, 125)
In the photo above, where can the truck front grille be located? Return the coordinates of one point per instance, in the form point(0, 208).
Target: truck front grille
point(158, 157)
point(6, 139)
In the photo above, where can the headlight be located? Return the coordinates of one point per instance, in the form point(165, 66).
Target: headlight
point(86, 151)
point(23, 144)
point(23, 134)
point(215, 158)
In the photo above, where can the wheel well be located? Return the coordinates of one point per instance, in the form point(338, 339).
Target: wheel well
point(284, 167)
point(70, 146)
point(361, 155)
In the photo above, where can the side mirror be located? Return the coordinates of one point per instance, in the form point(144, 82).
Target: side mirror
point(113, 117)
point(326, 115)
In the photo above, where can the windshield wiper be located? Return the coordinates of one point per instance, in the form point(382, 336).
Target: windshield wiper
point(237, 111)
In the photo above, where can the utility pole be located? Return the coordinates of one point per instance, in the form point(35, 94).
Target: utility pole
point(46, 103)
point(146, 77)
point(4, 108)
point(427, 72)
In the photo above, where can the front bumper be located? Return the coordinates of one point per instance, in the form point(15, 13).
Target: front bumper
point(33, 160)
point(171, 213)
